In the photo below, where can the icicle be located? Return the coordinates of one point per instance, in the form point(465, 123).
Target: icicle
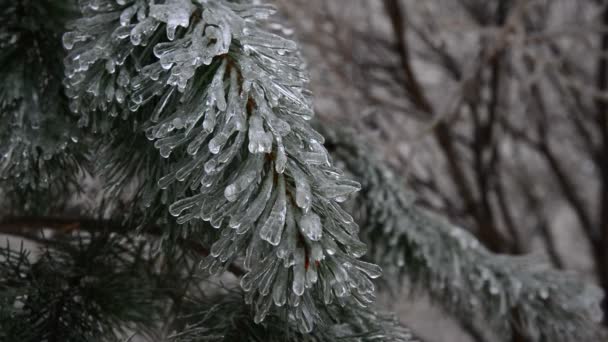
point(259, 140)
point(281, 158)
point(178, 207)
point(249, 216)
point(299, 272)
point(273, 227)
point(217, 94)
point(316, 252)
point(372, 270)
point(127, 14)
point(260, 38)
point(233, 190)
point(262, 309)
point(143, 30)
point(210, 120)
point(303, 191)
point(162, 104)
point(311, 277)
point(71, 38)
point(279, 292)
point(174, 13)
point(337, 191)
point(310, 226)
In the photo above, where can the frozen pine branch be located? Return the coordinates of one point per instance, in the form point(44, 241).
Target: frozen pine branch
point(38, 133)
point(78, 289)
point(225, 102)
point(193, 117)
point(96, 268)
point(225, 318)
point(514, 295)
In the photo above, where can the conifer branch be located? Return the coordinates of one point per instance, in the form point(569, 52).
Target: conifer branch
point(37, 140)
point(225, 102)
point(79, 289)
point(514, 295)
point(31, 228)
point(224, 318)
point(195, 116)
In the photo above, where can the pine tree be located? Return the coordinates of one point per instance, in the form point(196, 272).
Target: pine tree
point(195, 117)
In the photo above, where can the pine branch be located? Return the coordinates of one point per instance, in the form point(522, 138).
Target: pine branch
point(225, 102)
point(37, 149)
point(31, 228)
point(225, 318)
point(446, 261)
point(93, 288)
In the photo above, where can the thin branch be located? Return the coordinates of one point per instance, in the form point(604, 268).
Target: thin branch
point(488, 233)
point(31, 227)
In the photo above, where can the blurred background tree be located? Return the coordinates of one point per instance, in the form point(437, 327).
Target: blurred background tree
point(494, 111)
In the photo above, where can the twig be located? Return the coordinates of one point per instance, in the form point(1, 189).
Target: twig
point(29, 227)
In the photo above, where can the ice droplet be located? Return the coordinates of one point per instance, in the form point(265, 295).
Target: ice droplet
point(233, 190)
point(299, 272)
point(273, 227)
point(310, 225)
